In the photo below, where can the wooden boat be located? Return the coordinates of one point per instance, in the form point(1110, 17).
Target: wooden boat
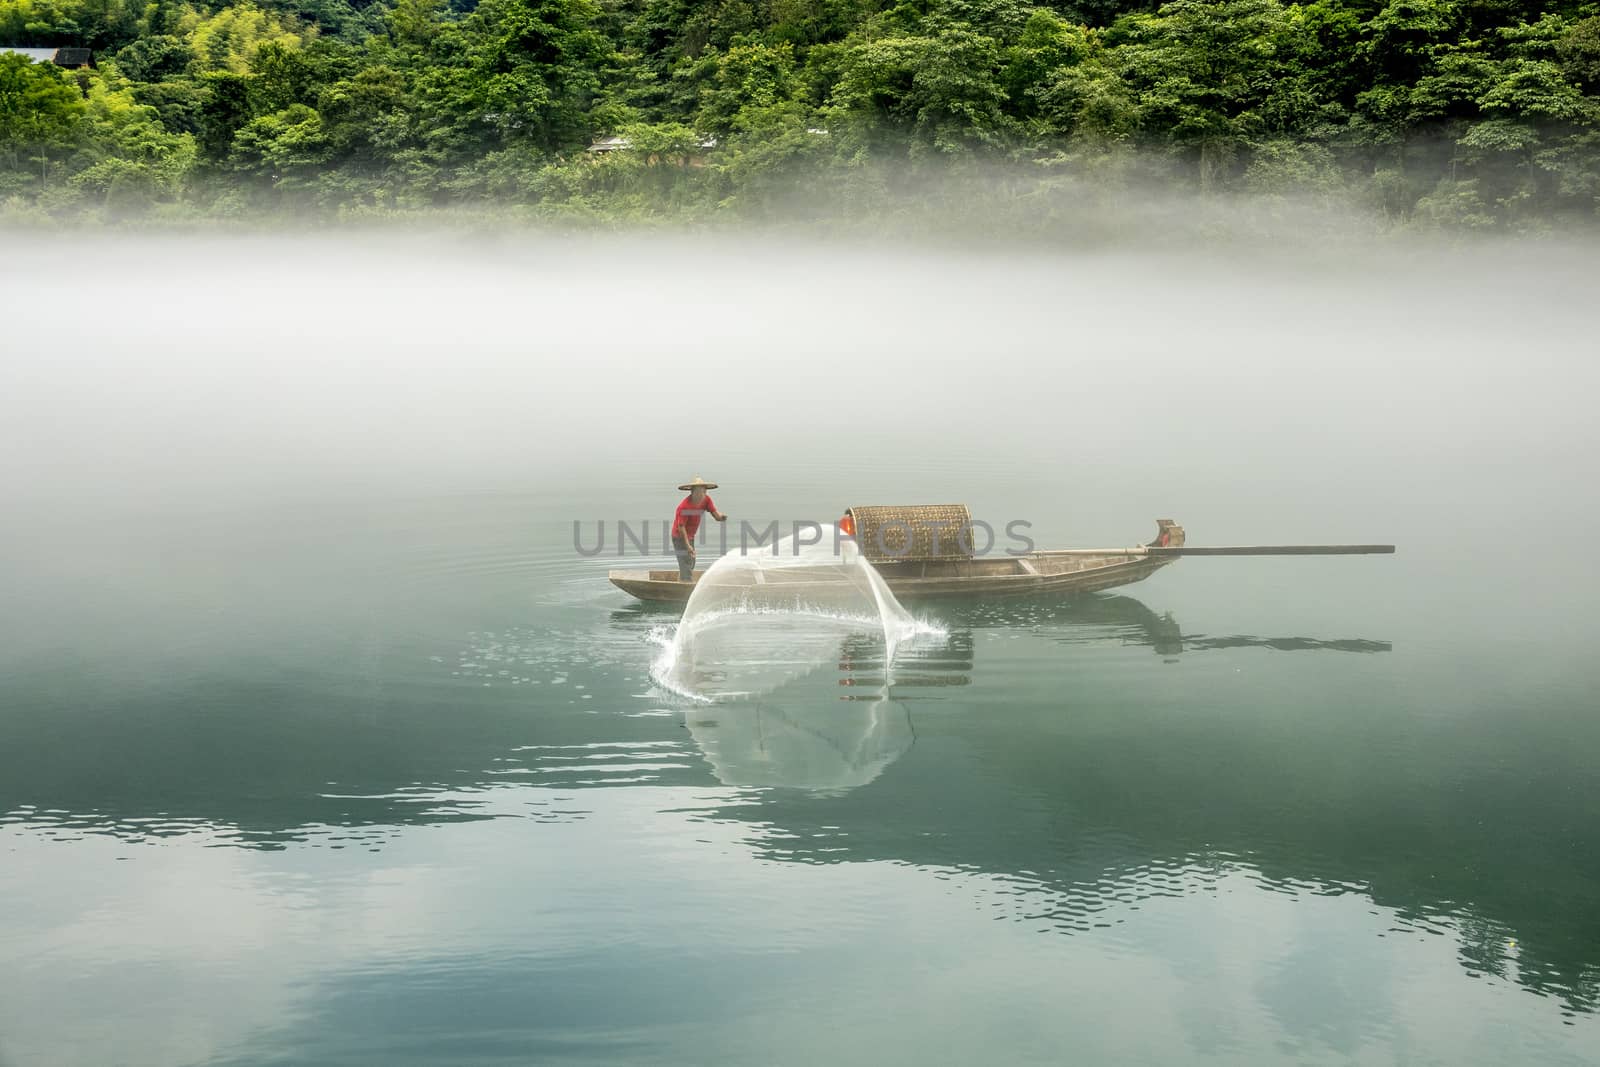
point(914, 550)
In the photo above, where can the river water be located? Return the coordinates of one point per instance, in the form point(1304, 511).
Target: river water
point(321, 742)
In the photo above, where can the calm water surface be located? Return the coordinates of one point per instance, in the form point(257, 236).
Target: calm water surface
point(344, 756)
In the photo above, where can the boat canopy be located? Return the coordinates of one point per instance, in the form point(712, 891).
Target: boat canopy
point(912, 533)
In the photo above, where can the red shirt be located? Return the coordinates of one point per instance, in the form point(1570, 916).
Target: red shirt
point(686, 520)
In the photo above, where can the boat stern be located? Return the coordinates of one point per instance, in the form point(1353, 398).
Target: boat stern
point(661, 586)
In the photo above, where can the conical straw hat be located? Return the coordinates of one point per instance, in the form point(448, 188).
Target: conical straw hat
point(698, 483)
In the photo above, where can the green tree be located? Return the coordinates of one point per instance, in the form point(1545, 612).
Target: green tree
point(150, 59)
point(229, 39)
point(369, 120)
point(1401, 38)
point(126, 158)
point(1046, 45)
point(749, 78)
point(39, 113)
point(282, 76)
point(1579, 52)
point(529, 71)
point(224, 108)
point(1203, 72)
point(415, 23)
point(286, 147)
point(940, 90)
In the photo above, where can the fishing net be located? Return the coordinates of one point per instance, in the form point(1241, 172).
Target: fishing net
point(829, 745)
point(759, 620)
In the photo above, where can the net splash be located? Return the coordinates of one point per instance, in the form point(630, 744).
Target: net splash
point(757, 621)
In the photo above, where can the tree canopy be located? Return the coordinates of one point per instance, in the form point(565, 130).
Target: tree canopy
point(1474, 113)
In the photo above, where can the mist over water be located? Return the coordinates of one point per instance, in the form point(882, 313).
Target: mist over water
point(316, 721)
point(247, 364)
point(272, 385)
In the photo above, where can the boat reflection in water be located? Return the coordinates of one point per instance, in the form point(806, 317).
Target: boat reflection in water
point(1086, 620)
point(800, 735)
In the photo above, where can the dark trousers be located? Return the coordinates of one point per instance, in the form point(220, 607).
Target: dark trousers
point(680, 548)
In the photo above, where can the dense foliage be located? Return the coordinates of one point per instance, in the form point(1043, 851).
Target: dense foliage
point(1479, 113)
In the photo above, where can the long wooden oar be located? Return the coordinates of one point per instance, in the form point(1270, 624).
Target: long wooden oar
point(1227, 550)
point(1273, 550)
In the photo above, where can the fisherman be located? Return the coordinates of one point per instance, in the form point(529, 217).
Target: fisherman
point(686, 523)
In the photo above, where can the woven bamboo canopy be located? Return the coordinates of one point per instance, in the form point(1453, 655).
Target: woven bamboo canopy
point(913, 533)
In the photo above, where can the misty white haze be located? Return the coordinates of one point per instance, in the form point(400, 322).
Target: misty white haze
point(318, 357)
point(176, 407)
point(252, 368)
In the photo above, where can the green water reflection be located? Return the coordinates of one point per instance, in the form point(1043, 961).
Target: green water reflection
point(1091, 752)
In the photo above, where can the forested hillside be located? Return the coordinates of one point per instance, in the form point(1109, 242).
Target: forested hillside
point(1461, 113)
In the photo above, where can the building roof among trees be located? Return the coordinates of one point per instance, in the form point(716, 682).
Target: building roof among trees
point(61, 57)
